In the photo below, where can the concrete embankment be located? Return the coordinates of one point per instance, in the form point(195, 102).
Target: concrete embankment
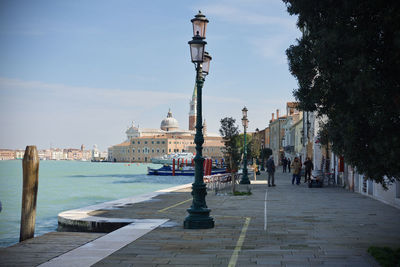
point(86, 220)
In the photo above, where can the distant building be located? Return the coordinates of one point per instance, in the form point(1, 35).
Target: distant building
point(19, 154)
point(7, 154)
point(142, 144)
point(277, 132)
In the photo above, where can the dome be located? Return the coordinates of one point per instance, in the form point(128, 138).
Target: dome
point(169, 123)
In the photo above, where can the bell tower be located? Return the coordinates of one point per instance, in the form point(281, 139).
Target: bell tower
point(193, 111)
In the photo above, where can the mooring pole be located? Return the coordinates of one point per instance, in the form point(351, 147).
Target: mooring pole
point(30, 169)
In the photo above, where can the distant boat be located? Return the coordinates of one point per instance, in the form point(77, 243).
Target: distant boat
point(166, 170)
point(167, 159)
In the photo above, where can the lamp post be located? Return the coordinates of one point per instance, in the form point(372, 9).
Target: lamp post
point(245, 123)
point(199, 213)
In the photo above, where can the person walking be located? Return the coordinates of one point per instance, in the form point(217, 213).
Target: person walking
point(309, 166)
point(284, 164)
point(288, 164)
point(271, 171)
point(296, 165)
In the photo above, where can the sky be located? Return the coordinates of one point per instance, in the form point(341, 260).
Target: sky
point(80, 72)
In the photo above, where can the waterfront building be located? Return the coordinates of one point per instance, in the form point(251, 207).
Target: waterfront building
point(19, 154)
point(143, 144)
point(193, 110)
point(7, 154)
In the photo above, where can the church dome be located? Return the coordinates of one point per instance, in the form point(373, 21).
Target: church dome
point(169, 123)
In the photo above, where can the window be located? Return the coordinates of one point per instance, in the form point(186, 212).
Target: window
point(152, 151)
point(158, 150)
point(170, 150)
point(138, 142)
point(163, 142)
point(145, 142)
point(158, 142)
point(133, 150)
point(152, 142)
point(133, 142)
point(163, 151)
point(138, 151)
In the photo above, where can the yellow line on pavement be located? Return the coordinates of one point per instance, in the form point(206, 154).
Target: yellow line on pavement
point(175, 205)
point(235, 255)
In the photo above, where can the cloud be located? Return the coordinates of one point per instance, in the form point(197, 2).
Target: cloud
point(91, 96)
point(273, 47)
point(238, 15)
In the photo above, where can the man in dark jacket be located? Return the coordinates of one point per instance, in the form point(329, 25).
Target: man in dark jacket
point(309, 166)
point(271, 171)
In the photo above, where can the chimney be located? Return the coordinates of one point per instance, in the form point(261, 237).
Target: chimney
point(277, 114)
point(272, 117)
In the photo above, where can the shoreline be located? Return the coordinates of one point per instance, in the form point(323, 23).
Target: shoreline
point(81, 220)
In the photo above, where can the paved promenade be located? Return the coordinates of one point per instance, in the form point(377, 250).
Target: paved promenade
point(295, 226)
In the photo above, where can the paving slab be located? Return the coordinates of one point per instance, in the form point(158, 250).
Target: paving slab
point(286, 225)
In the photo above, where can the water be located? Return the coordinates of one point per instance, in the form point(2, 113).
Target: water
point(66, 185)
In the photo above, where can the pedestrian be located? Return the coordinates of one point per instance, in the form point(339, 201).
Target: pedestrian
point(309, 166)
point(296, 165)
point(271, 171)
point(284, 164)
point(288, 164)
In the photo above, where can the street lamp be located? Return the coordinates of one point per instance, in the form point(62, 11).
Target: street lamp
point(245, 123)
point(199, 213)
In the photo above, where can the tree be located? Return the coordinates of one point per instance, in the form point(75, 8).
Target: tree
point(230, 133)
point(347, 64)
point(265, 153)
point(255, 147)
point(249, 145)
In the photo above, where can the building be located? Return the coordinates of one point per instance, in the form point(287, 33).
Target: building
point(142, 144)
point(276, 133)
point(291, 130)
point(193, 110)
point(7, 154)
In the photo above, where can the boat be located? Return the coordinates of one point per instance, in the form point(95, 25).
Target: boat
point(168, 159)
point(166, 170)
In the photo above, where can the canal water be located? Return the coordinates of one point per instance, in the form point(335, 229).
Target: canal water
point(65, 185)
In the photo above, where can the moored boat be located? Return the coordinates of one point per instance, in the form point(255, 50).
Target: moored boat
point(185, 171)
point(168, 159)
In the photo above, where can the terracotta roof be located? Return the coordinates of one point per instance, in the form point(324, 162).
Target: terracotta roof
point(292, 104)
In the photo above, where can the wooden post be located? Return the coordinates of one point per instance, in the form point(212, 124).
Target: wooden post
point(173, 167)
point(30, 169)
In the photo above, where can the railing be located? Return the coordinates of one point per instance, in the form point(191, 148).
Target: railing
point(219, 182)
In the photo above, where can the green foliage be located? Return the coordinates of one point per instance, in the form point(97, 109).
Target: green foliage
point(249, 142)
point(230, 135)
point(255, 147)
point(266, 152)
point(386, 257)
point(347, 64)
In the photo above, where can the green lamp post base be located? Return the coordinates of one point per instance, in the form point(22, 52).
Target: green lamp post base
point(198, 219)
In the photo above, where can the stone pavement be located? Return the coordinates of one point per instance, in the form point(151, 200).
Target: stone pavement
point(296, 226)
point(304, 227)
